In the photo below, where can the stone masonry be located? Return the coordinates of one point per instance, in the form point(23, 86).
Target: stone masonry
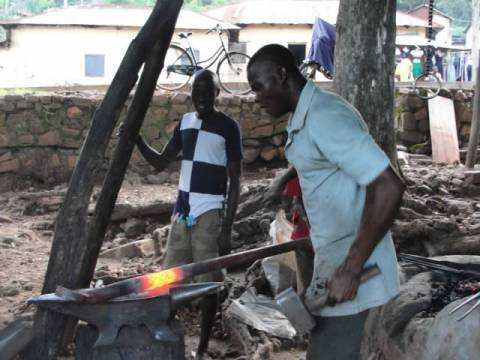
point(41, 135)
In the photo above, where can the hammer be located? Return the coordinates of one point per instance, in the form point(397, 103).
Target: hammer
point(299, 312)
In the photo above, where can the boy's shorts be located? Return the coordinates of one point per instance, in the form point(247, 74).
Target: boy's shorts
point(187, 244)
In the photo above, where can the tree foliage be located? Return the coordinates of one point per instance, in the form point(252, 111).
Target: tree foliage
point(459, 10)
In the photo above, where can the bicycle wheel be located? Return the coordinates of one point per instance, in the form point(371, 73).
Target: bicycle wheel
point(178, 69)
point(232, 73)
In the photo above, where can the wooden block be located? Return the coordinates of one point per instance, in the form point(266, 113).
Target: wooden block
point(443, 130)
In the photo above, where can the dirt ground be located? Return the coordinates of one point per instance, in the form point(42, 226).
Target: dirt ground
point(27, 221)
point(438, 216)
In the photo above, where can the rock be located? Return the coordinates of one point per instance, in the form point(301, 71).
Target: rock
point(157, 179)
point(9, 166)
point(460, 96)
point(251, 143)
point(421, 114)
point(474, 230)
point(74, 112)
point(414, 102)
point(3, 140)
point(5, 219)
point(26, 139)
point(278, 140)
point(408, 121)
point(250, 154)
point(134, 227)
point(269, 153)
point(263, 131)
point(8, 290)
point(247, 123)
point(140, 248)
point(48, 139)
point(8, 240)
point(450, 339)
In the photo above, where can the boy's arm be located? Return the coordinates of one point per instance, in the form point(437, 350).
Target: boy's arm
point(234, 171)
point(158, 160)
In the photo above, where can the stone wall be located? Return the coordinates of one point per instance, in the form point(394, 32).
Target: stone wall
point(41, 136)
point(413, 120)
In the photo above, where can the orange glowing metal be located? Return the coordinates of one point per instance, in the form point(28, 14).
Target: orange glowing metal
point(153, 283)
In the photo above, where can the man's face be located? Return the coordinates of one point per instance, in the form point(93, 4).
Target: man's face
point(265, 79)
point(204, 93)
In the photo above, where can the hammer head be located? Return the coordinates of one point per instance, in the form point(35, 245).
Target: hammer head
point(294, 309)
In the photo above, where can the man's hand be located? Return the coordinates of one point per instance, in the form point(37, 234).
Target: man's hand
point(224, 241)
point(343, 285)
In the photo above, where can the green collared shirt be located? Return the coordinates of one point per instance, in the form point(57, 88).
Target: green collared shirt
point(336, 158)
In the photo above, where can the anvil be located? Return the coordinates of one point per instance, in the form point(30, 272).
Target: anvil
point(154, 312)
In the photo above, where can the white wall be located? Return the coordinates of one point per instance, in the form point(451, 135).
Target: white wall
point(445, 35)
point(55, 56)
point(257, 36)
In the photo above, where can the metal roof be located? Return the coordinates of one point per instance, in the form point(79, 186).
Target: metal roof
point(114, 16)
point(292, 13)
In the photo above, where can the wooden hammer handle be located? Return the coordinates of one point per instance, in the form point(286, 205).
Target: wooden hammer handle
point(320, 301)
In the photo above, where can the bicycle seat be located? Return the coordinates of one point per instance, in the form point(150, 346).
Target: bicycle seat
point(184, 35)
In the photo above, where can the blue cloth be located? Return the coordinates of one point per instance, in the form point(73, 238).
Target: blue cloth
point(336, 158)
point(323, 44)
point(207, 145)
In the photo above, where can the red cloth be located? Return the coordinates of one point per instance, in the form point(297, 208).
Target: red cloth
point(300, 227)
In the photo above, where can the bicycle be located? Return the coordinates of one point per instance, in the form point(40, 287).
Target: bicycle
point(182, 64)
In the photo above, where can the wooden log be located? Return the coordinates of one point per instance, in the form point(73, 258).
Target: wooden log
point(116, 172)
point(68, 265)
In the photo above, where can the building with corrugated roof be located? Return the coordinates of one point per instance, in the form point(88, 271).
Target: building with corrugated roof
point(290, 23)
point(84, 45)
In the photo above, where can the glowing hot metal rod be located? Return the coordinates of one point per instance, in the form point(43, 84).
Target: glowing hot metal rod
point(155, 284)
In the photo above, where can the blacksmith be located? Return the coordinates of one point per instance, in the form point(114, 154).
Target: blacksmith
point(350, 192)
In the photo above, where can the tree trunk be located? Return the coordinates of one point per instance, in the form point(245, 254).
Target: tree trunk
point(72, 256)
point(365, 65)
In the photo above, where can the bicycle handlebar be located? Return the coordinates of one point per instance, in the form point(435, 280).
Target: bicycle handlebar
point(216, 28)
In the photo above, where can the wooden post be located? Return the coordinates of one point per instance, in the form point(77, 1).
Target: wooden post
point(367, 30)
point(475, 35)
point(475, 129)
point(70, 258)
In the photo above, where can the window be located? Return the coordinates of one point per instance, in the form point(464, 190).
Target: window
point(94, 65)
point(299, 51)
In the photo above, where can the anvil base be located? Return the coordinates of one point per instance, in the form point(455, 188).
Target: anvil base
point(133, 342)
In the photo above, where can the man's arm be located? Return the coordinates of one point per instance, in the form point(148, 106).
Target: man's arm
point(234, 171)
point(383, 199)
point(158, 160)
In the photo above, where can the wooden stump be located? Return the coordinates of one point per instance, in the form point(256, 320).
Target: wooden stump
point(132, 343)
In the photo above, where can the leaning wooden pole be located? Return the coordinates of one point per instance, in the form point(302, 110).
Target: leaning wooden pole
point(123, 152)
point(69, 264)
point(475, 129)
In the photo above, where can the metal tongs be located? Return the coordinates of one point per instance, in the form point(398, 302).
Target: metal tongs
point(468, 301)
